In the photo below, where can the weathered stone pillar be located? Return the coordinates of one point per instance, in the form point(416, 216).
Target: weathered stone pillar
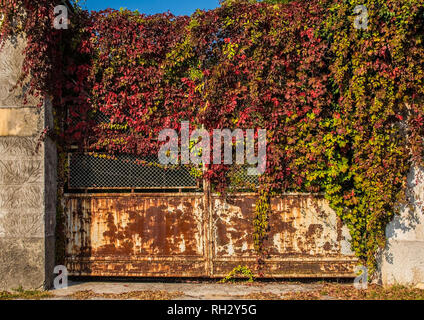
point(27, 182)
point(402, 261)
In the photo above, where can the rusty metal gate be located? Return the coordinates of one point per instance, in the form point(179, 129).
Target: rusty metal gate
point(201, 235)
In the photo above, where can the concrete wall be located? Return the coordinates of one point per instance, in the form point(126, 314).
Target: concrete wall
point(27, 182)
point(402, 261)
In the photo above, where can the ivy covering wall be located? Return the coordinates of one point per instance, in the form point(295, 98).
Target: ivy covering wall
point(343, 107)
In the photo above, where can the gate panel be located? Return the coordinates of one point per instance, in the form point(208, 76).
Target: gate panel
point(306, 238)
point(142, 235)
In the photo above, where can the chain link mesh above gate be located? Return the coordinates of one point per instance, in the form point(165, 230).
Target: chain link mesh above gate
point(87, 171)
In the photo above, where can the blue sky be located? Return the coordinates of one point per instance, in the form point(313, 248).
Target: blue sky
point(177, 7)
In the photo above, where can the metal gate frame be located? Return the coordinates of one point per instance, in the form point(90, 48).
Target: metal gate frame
point(100, 243)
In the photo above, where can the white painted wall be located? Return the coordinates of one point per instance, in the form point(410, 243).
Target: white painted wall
point(402, 261)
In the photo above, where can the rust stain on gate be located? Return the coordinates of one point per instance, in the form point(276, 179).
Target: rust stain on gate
point(193, 235)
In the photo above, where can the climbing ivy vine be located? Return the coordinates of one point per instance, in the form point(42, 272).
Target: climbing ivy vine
point(343, 107)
